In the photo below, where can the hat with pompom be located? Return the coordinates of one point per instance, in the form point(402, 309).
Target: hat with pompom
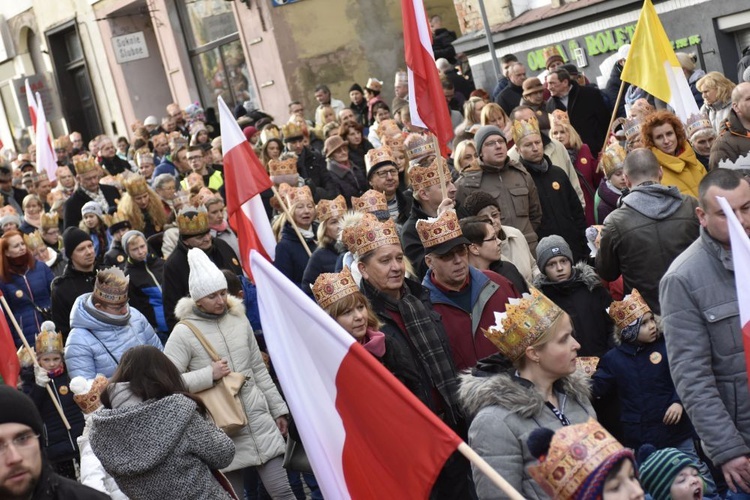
point(205, 278)
point(660, 467)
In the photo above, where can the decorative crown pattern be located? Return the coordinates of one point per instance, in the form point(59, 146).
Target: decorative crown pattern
point(331, 208)
point(89, 401)
point(696, 123)
point(628, 310)
point(282, 167)
point(329, 288)
point(294, 195)
point(33, 240)
point(48, 340)
point(612, 159)
point(394, 142)
point(435, 231)
point(50, 220)
point(559, 116)
point(136, 185)
point(388, 128)
point(370, 201)
point(550, 51)
point(378, 156)
point(85, 164)
point(291, 130)
point(632, 129)
point(425, 177)
point(193, 221)
point(370, 234)
point(523, 128)
point(419, 146)
point(111, 286)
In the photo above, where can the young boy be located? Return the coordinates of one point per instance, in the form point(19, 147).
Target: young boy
point(612, 185)
point(669, 474)
point(638, 370)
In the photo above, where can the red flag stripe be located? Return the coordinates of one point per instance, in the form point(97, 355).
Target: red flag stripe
point(9, 364)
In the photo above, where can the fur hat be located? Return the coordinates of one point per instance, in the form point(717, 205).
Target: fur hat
point(205, 278)
point(552, 246)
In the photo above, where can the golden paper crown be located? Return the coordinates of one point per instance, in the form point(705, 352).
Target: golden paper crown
point(425, 177)
point(144, 155)
point(89, 401)
point(269, 133)
point(574, 453)
point(119, 218)
point(291, 130)
point(370, 201)
point(33, 240)
point(331, 208)
point(193, 221)
point(48, 341)
point(378, 156)
point(612, 159)
point(697, 123)
point(24, 357)
point(282, 167)
point(135, 185)
point(394, 142)
point(435, 231)
point(419, 146)
point(628, 310)
point(329, 288)
point(387, 128)
point(559, 116)
point(111, 286)
point(370, 234)
point(85, 164)
point(549, 52)
point(524, 322)
point(523, 128)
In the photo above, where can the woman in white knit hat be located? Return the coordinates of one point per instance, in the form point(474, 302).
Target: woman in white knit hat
point(221, 319)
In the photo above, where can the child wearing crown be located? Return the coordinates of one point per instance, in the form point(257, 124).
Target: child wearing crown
point(60, 443)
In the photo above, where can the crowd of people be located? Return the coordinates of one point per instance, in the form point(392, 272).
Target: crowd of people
point(559, 291)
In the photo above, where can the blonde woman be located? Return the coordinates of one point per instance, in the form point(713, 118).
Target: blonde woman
point(472, 117)
point(493, 114)
point(465, 157)
point(716, 90)
point(291, 255)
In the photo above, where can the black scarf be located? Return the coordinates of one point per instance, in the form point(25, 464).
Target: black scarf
point(536, 167)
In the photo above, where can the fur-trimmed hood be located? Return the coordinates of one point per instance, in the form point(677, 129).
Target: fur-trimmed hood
point(184, 307)
point(493, 383)
point(582, 273)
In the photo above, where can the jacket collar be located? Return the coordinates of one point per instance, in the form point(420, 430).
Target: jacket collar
point(717, 250)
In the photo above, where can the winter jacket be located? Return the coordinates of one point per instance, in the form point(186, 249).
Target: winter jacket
point(51, 486)
point(509, 271)
point(410, 241)
point(145, 290)
point(312, 167)
point(161, 448)
point(291, 257)
point(605, 202)
point(505, 409)
point(65, 290)
point(322, 260)
point(641, 239)
point(115, 256)
point(693, 83)
point(23, 292)
point(515, 249)
point(79, 198)
point(348, 182)
point(743, 64)
point(232, 337)
point(700, 314)
point(115, 165)
point(56, 262)
point(585, 300)
point(357, 153)
point(717, 113)
point(732, 143)
point(93, 474)
point(489, 294)
point(95, 346)
point(683, 171)
point(510, 97)
point(442, 45)
point(588, 114)
point(515, 191)
point(101, 239)
point(639, 375)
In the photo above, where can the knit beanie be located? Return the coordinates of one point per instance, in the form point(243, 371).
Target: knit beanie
point(552, 246)
point(356, 87)
point(205, 278)
point(72, 237)
point(128, 237)
point(18, 408)
point(659, 468)
point(6, 219)
point(484, 133)
point(92, 207)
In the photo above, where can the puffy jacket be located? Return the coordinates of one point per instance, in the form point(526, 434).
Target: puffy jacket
point(93, 474)
point(732, 143)
point(717, 113)
point(291, 257)
point(115, 256)
point(232, 337)
point(683, 171)
point(94, 346)
point(22, 292)
point(144, 290)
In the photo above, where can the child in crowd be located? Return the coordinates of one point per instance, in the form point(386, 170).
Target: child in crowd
point(669, 474)
point(611, 187)
point(94, 225)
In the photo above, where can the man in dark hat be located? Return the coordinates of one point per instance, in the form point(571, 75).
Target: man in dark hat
point(358, 104)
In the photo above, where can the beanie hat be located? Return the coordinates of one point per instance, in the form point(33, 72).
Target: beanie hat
point(92, 207)
point(249, 132)
point(356, 87)
point(151, 120)
point(484, 133)
point(552, 246)
point(10, 218)
point(205, 278)
point(659, 468)
point(72, 237)
point(18, 408)
point(128, 237)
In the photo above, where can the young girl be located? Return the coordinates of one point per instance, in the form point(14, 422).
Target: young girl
point(93, 224)
point(611, 187)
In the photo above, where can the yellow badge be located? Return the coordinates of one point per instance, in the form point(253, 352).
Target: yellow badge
point(234, 261)
point(539, 113)
point(556, 186)
point(584, 161)
point(655, 358)
point(63, 389)
point(120, 258)
point(19, 293)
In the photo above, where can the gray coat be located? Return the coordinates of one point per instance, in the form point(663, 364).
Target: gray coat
point(505, 410)
point(701, 322)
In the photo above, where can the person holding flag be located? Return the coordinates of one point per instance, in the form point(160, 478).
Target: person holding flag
point(701, 314)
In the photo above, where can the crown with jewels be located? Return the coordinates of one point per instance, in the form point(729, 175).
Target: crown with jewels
point(523, 128)
point(576, 452)
point(419, 146)
point(89, 401)
point(329, 288)
point(524, 322)
point(144, 156)
point(612, 159)
point(85, 164)
point(291, 131)
point(136, 185)
point(434, 231)
point(282, 167)
point(394, 142)
point(425, 177)
point(33, 240)
point(50, 220)
point(697, 123)
point(293, 195)
point(371, 201)
point(111, 286)
point(24, 357)
point(387, 128)
point(628, 310)
point(370, 234)
point(48, 340)
point(331, 208)
point(558, 117)
point(632, 128)
point(378, 156)
point(193, 221)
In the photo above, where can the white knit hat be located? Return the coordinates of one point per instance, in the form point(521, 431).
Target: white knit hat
point(205, 278)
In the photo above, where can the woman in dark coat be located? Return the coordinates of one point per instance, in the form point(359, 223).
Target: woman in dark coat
point(324, 258)
point(291, 255)
point(146, 272)
point(353, 134)
point(347, 179)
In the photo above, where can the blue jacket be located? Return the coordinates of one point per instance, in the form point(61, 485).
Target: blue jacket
point(90, 338)
point(144, 290)
point(21, 292)
point(291, 256)
point(640, 375)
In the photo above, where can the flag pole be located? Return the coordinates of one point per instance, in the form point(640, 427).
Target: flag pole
point(33, 357)
point(488, 471)
point(440, 160)
point(285, 209)
point(614, 114)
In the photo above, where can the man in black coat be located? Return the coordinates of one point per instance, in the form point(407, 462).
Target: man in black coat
point(311, 165)
point(89, 189)
point(13, 197)
point(586, 108)
point(442, 40)
point(511, 95)
point(112, 163)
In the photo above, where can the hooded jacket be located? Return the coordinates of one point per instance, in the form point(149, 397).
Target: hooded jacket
point(160, 448)
point(505, 409)
point(732, 143)
point(684, 170)
point(95, 346)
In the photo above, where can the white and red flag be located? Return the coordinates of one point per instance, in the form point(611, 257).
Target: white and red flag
point(365, 434)
point(427, 104)
point(46, 159)
point(32, 104)
point(244, 180)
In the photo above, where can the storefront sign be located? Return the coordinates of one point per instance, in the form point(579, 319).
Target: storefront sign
point(39, 85)
point(130, 47)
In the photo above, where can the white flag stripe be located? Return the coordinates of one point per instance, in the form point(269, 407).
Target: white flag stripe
point(682, 101)
point(231, 134)
point(254, 210)
point(741, 259)
point(46, 159)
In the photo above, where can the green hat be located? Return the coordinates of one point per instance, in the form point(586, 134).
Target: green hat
point(660, 467)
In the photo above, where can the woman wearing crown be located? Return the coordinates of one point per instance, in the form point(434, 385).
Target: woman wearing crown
point(531, 383)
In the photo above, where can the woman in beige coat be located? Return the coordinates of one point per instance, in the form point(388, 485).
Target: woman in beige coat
point(222, 321)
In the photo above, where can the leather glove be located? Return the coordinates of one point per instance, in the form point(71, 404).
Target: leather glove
point(41, 376)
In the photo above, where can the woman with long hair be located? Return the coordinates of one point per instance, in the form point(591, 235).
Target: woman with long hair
point(353, 134)
point(324, 258)
point(466, 157)
point(154, 437)
point(716, 90)
point(472, 118)
point(93, 224)
point(142, 207)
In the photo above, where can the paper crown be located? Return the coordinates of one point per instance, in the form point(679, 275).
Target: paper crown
point(575, 452)
point(269, 133)
point(111, 286)
point(742, 163)
point(370, 201)
point(434, 231)
point(136, 185)
point(388, 128)
point(24, 357)
point(293, 195)
point(401, 78)
point(89, 401)
point(33, 240)
point(628, 310)
point(697, 123)
point(425, 177)
point(419, 146)
point(370, 234)
point(524, 322)
point(329, 288)
point(48, 340)
point(331, 208)
point(523, 128)
point(142, 157)
point(193, 221)
point(612, 159)
point(374, 84)
point(282, 167)
point(394, 142)
point(559, 116)
point(378, 156)
point(119, 221)
point(291, 131)
point(632, 128)
point(85, 164)
point(549, 53)
point(587, 365)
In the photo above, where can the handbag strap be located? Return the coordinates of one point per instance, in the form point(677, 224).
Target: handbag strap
point(208, 347)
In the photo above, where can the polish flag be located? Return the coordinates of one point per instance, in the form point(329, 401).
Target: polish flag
point(365, 434)
point(427, 104)
point(244, 180)
point(9, 364)
point(32, 104)
point(46, 159)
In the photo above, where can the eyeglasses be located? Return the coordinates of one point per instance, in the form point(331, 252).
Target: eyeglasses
point(459, 250)
point(492, 144)
point(385, 173)
point(494, 238)
point(23, 442)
